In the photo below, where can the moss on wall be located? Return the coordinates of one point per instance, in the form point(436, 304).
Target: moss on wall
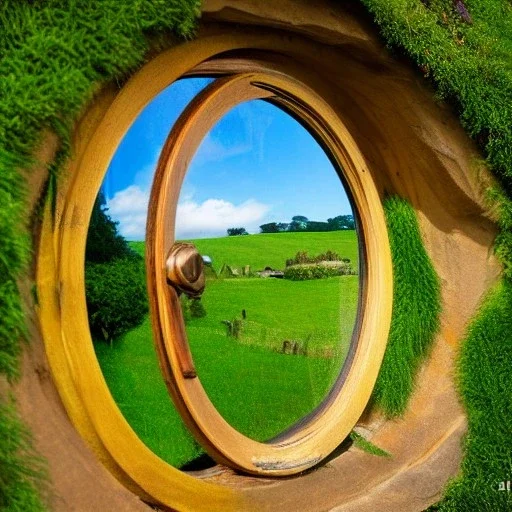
point(484, 380)
point(465, 49)
point(468, 59)
point(23, 474)
point(416, 309)
point(52, 57)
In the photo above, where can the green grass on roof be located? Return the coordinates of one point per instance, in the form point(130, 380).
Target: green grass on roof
point(470, 64)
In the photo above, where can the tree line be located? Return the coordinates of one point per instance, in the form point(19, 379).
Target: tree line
point(301, 223)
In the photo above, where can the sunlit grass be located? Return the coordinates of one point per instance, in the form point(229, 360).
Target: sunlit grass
point(485, 384)
point(272, 249)
point(259, 390)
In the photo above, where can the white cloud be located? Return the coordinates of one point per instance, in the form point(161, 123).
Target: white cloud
point(207, 219)
point(129, 207)
point(214, 216)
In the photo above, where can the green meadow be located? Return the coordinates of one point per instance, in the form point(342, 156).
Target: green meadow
point(257, 388)
point(271, 249)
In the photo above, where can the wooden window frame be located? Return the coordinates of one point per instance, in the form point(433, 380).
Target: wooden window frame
point(61, 283)
point(317, 435)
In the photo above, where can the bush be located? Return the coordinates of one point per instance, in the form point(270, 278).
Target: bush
point(317, 271)
point(191, 308)
point(197, 309)
point(116, 296)
point(302, 257)
point(331, 256)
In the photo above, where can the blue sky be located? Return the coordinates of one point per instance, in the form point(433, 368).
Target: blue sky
point(256, 165)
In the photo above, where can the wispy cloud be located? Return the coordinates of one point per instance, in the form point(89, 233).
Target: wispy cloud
point(213, 150)
point(210, 218)
point(214, 216)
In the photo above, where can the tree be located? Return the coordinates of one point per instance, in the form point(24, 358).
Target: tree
point(298, 223)
point(104, 243)
point(314, 225)
point(341, 222)
point(270, 227)
point(115, 278)
point(237, 231)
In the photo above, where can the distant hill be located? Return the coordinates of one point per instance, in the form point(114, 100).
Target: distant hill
point(271, 249)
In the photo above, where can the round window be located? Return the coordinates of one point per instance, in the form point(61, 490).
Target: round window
point(177, 270)
point(335, 336)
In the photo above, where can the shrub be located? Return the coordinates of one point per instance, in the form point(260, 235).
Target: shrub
point(330, 256)
point(191, 308)
point(116, 296)
point(185, 308)
point(233, 327)
point(317, 271)
point(115, 278)
point(302, 257)
point(197, 309)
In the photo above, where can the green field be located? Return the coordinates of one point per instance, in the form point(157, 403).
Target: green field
point(272, 249)
point(259, 390)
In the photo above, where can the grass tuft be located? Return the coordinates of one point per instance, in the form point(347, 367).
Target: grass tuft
point(416, 309)
point(367, 446)
point(22, 471)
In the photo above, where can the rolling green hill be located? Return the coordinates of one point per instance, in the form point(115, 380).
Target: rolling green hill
point(271, 249)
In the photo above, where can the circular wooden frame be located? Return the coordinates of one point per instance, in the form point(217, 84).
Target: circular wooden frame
point(61, 293)
point(316, 436)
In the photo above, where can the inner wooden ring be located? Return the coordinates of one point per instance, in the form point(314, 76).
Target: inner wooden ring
point(316, 436)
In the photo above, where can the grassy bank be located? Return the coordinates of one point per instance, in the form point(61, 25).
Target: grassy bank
point(465, 49)
point(53, 56)
point(485, 382)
